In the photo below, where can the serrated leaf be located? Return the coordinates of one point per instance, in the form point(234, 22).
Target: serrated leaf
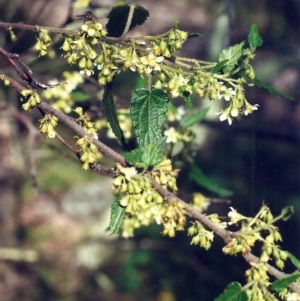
point(253, 38)
point(160, 146)
point(219, 66)
point(117, 214)
point(232, 55)
point(134, 157)
point(261, 85)
point(108, 106)
point(233, 292)
point(143, 157)
point(281, 284)
point(190, 120)
point(149, 155)
point(294, 260)
point(148, 113)
point(287, 212)
point(121, 14)
point(202, 180)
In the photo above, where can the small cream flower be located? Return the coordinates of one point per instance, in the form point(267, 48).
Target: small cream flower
point(292, 297)
point(225, 115)
point(171, 134)
point(227, 93)
point(128, 172)
point(250, 108)
point(152, 62)
point(234, 216)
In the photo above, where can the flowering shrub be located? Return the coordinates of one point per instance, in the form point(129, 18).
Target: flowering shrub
point(144, 180)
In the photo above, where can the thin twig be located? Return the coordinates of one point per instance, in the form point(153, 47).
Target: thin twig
point(225, 234)
point(63, 31)
point(69, 122)
point(37, 28)
point(66, 144)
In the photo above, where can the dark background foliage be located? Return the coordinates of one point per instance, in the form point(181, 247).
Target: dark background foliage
point(64, 220)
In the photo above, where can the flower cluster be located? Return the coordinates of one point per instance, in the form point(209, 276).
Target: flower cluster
point(33, 99)
point(144, 204)
point(178, 83)
point(201, 236)
point(48, 123)
point(89, 153)
point(128, 58)
point(61, 94)
point(171, 43)
point(85, 122)
point(257, 276)
point(176, 86)
point(113, 59)
point(43, 42)
point(78, 50)
point(107, 68)
point(260, 228)
point(165, 176)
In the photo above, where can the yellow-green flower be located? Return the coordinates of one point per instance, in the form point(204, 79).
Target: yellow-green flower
point(151, 62)
point(171, 134)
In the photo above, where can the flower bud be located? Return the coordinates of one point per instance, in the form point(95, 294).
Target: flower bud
point(280, 263)
point(82, 63)
point(84, 27)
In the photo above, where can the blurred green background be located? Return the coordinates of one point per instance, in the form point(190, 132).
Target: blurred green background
point(58, 229)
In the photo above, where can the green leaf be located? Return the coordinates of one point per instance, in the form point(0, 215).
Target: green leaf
point(124, 14)
point(233, 292)
point(219, 66)
point(117, 214)
point(281, 284)
point(294, 260)
point(148, 112)
point(143, 157)
point(287, 212)
point(149, 155)
point(253, 38)
point(80, 96)
point(261, 85)
point(232, 55)
point(108, 106)
point(199, 177)
point(135, 158)
point(190, 120)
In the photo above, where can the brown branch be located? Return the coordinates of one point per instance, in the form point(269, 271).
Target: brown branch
point(225, 234)
point(37, 28)
point(69, 122)
point(64, 31)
